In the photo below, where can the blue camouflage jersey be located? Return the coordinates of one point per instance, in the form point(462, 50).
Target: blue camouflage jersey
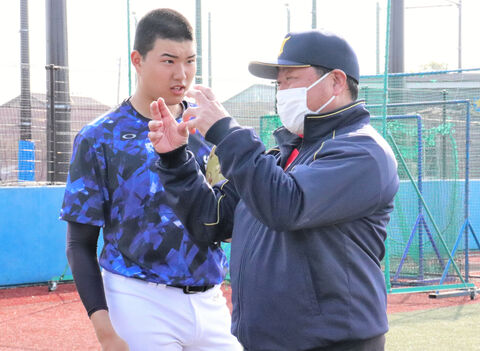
point(113, 184)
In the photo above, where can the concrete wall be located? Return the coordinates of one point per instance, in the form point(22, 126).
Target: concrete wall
point(32, 237)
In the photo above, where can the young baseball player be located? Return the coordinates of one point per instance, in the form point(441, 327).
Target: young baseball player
point(160, 288)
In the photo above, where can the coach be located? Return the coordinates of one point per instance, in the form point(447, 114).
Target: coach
point(308, 217)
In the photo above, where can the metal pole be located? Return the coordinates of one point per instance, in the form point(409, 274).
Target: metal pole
point(57, 54)
point(378, 39)
point(26, 146)
point(128, 53)
point(275, 102)
point(51, 148)
point(420, 188)
point(136, 24)
point(118, 81)
point(209, 49)
point(459, 34)
point(288, 18)
point(314, 14)
point(467, 188)
point(444, 137)
point(384, 133)
point(396, 63)
point(198, 37)
point(25, 97)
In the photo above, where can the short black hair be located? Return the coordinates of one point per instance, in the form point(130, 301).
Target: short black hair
point(352, 84)
point(161, 24)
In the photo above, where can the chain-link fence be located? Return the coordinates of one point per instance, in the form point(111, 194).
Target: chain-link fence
point(37, 130)
point(433, 123)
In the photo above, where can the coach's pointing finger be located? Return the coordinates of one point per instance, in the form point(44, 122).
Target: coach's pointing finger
point(206, 113)
point(206, 91)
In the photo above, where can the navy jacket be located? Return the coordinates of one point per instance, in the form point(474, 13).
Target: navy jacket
point(307, 241)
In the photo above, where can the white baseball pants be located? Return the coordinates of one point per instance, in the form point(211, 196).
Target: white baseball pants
point(152, 316)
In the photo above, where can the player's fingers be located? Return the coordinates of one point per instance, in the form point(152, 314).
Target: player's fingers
point(155, 137)
point(155, 125)
point(205, 91)
point(154, 111)
point(164, 111)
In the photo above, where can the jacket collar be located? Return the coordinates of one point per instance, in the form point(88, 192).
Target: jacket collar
point(321, 125)
point(286, 142)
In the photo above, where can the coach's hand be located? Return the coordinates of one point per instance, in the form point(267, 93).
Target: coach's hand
point(166, 134)
point(207, 112)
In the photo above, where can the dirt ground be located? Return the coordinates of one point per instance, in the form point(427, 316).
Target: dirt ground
point(32, 318)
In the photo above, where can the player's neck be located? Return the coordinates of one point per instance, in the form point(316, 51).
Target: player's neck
point(141, 103)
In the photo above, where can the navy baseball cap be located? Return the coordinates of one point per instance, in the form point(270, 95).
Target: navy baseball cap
point(310, 48)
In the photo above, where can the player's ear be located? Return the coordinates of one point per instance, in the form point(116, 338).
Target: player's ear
point(136, 59)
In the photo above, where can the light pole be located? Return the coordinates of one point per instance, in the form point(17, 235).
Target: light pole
point(198, 36)
point(459, 6)
point(288, 17)
point(128, 55)
point(457, 3)
point(397, 37)
point(134, 14)
point(378, 39)
point(314, 14)
point(209, 49)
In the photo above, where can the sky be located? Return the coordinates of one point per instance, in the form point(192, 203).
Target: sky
point(242, 31)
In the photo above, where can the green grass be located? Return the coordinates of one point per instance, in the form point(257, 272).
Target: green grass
point(455, 328)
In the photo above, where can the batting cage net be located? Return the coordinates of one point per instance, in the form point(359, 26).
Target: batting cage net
point(433, 126)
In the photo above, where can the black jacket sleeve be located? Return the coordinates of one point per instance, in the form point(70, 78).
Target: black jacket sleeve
point(82, 257)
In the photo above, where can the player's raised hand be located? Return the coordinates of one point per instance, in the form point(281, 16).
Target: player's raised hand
point(207, 112)
point(166, 134)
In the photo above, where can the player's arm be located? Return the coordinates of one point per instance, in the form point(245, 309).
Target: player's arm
point(82, 256)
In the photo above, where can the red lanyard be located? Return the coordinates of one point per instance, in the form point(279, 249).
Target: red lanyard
point(292, 157)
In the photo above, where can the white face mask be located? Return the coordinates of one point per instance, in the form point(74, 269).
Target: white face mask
point(292, 106)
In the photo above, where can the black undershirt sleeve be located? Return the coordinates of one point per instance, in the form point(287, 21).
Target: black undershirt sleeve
point(82, 257)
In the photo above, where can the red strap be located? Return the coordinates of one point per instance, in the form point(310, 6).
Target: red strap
point(292, 157)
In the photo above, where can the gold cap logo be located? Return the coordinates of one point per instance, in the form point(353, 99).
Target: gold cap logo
point(283, 44)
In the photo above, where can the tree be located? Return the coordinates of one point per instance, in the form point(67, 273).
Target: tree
point(434, 66)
